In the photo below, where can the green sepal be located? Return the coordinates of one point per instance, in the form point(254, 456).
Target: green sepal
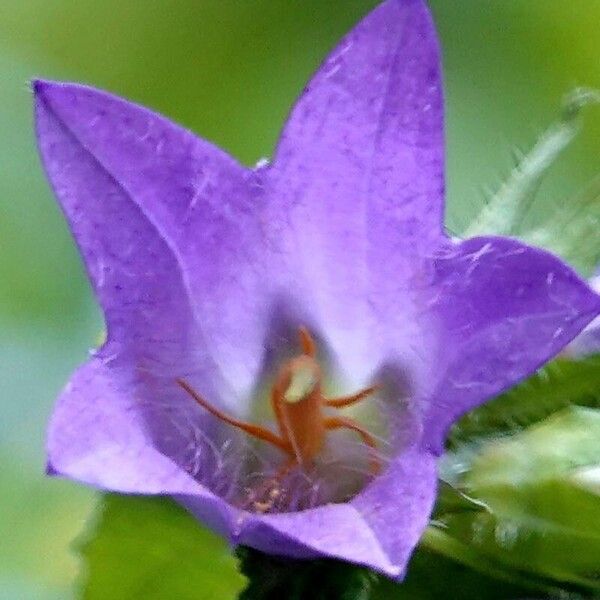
point(541, 517)
point(522, 500)
point(571, 231)
point(435, 574)
point(560, 384)
point(505, 212)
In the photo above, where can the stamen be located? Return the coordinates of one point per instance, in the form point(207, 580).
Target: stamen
point(253, 430)
point(298, 406)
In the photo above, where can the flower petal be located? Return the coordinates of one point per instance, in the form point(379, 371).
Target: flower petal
point(357, 181)
point(398, 504)
point(366, 137)
point(99, 436)
point(504, 309)
point(378, 529)
point(96, 436)
point(168, 226)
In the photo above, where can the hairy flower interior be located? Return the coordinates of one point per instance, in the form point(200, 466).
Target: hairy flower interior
point(317, 454)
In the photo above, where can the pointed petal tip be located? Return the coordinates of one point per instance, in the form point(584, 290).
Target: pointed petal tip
point(38, 89)
point(50, 469)
point(43, 90)
point(47, 90)
point(38, 85)
point(41, 86)
point(415, 6)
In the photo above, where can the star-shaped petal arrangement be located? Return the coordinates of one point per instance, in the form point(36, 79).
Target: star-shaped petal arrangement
point(207, 270)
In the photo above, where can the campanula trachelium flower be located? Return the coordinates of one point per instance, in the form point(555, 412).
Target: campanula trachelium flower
point(288, 345)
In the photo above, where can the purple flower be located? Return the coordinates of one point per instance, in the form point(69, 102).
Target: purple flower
point(206, 270)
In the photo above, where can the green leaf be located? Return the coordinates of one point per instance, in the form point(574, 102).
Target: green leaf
point(151, 548)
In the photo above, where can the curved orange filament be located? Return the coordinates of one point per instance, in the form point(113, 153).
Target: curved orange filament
point(367, 438)
point(353, 399)
point(254, 430)
point(297, 403)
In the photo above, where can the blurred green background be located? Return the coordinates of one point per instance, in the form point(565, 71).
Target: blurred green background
point(228, 69)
